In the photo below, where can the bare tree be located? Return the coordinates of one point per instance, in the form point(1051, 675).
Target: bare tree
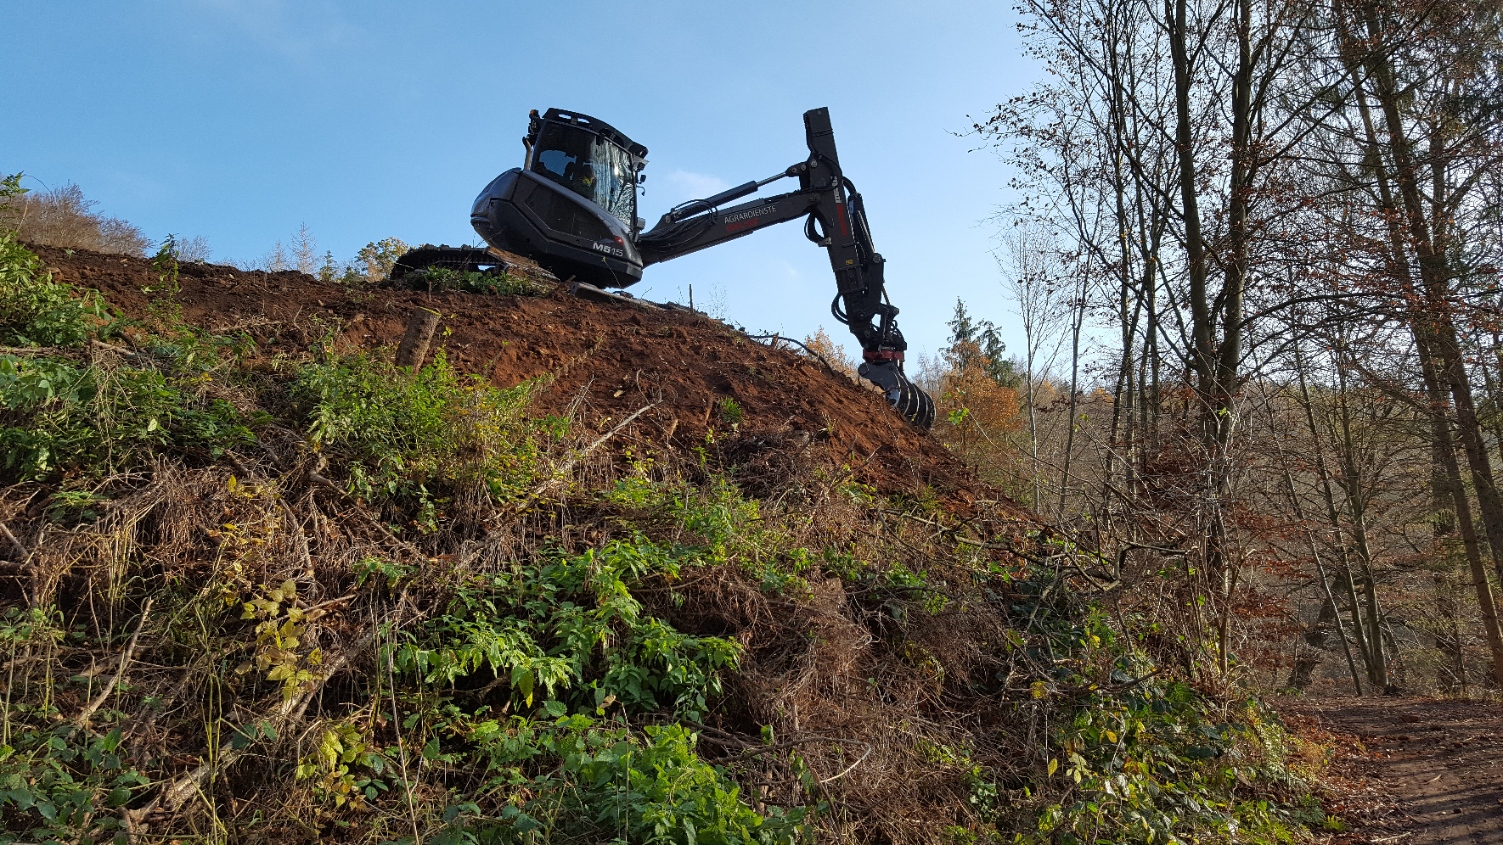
point(1030, 276)
point(64, 217)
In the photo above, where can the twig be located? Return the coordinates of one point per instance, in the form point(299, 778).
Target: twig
point(777, 337)
point(83, 717)
point(21, 548)
point(851, 767)
point(599, 441)
point(391, 687)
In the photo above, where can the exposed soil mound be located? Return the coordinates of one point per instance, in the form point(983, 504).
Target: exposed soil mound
point(610, 358)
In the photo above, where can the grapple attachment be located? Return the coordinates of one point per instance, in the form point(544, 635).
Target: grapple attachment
point(903, 395)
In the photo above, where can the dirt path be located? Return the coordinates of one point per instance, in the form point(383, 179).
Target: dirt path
point(1415, 771)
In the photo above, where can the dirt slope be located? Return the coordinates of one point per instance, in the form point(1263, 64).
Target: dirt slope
point(1418, 771)
point(610, 357)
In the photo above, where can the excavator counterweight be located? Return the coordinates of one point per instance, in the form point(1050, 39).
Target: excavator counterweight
point(572, 208)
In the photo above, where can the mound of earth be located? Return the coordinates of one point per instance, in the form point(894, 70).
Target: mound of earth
point(230, 622)
point(607, 359)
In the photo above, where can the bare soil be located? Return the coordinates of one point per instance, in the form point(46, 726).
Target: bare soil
point(608, 359)
point(1412, 771)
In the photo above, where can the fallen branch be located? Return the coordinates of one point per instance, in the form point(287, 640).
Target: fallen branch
point(848, 769)
point(176, 794)
point(569, 465)
point(82, 718)
point(37, 350)
point(19, 546)
point(118, 350)
point(69, 351)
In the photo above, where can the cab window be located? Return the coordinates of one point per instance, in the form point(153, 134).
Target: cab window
point(589, 166)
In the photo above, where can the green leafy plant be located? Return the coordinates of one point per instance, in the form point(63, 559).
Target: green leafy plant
point(344, 767)
point(730, 411)
point(280, 627)
point(572, 627)
point(65, 785)
point(35, 310)
point(10, 186)
point(470, 281)
point(398, 433)
point(57, 416)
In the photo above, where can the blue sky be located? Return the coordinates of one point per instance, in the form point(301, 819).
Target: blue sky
point(239, 120)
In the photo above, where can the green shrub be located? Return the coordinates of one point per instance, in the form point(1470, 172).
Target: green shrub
point(57, 416)
point(445, 278)
point(36, 311)
point(58, 782)
point(730, 411)
point(605, 780)
point(572, 630)
point(65, 785)
point(399, 432)
point(1146, 758)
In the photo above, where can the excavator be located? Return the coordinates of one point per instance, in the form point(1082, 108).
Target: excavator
point(571, 208)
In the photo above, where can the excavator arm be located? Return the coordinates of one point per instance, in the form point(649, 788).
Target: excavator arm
point(834, 219)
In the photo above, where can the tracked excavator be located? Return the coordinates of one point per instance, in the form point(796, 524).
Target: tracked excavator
point(571, 208)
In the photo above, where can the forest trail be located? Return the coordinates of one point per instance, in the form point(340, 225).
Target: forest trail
point(1415, 771)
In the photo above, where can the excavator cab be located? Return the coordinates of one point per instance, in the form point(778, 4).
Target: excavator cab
point(572, 206)
point(589, 164)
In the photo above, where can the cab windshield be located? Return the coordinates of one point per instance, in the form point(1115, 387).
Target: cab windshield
point(589, 166)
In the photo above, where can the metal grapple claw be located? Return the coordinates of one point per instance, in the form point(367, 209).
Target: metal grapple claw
point(903, 395)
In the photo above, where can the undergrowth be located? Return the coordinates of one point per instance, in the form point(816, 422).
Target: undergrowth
point(318, 598)
point(470, 281)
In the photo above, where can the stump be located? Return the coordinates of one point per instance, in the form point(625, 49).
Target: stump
point(414, 347)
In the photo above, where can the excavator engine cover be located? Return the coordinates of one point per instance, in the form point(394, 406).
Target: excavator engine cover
point(572, 206)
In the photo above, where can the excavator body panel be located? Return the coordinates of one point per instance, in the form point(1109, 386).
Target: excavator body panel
point(572, 206)
point(523, 212)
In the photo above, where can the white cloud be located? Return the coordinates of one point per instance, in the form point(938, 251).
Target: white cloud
point(686, 185)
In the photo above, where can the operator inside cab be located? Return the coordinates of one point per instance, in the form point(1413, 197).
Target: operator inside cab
point(588, 165)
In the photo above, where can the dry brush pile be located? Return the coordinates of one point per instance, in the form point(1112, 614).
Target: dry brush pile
point(313, 596)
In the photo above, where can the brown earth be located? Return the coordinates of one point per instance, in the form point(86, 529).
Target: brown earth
point(1412, 771)
point(608, 359)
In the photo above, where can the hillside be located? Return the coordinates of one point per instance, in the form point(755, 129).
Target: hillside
point(595, 573)
point(604, 360)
